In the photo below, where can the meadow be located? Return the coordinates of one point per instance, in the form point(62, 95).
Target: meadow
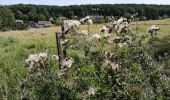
point(15, 46)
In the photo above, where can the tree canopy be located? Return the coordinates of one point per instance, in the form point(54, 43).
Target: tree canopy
point(32, 12)
point(7, 19)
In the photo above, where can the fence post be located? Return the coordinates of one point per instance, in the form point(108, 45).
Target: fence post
point(59, 48)
point(63, 38)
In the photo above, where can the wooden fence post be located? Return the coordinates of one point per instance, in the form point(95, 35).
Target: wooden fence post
point(63, 38)
point(59, 48)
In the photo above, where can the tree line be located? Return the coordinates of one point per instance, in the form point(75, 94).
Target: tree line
point(43, 12)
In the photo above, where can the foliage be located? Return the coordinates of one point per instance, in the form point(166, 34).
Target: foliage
point(41, 17)
point(42, 12)
point(140, 75)
point(70, 14)
point(161, 48)
point(148, 11)
point(7, 19)
point(57, 22)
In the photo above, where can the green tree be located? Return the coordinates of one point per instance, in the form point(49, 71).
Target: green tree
point(32, 16)
point(70, 14)
point(7, 19)
point(41, 17)
point(19, 15)
point(152, 13)
point(0, 22)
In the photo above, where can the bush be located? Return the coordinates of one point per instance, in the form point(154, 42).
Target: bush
point(7, 19)
point(161, 48)
point(57, 22)
point(24, 26)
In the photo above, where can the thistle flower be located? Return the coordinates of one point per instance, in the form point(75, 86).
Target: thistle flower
point(115, 66)
point(65, 41)
point(84, 32)
point(120, 45)
point(67, 63)
point(60, 73)
point(95, 37)
point(90, 22)
point(91, 91)
point(34, 60)
point(55, 57)
point(34, 57)
point(43, 57)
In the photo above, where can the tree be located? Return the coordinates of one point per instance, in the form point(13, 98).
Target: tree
point(19, 15)
point(32, 16)
point(43, 12)
point(0, 22)
point(7, 19)
point(152, 13)
point(41, 17)
point(70, 14)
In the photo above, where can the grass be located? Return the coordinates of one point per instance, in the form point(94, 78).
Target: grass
point(15, 46)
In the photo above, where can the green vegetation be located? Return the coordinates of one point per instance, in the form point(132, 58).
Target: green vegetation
point(145, 11)
point(42, 12)
point(143, 75)
point(7, 19)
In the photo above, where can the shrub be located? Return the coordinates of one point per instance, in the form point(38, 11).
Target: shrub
point(161, 48)
point(57, 22)
point(7, 19)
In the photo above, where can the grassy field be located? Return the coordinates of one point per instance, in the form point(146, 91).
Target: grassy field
point(15, 46)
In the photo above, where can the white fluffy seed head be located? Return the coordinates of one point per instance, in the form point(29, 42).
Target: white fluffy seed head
point(87, 17)
point(108, 55)
point(106, 63)
point(90, 22)
point(107, 36)
point(67, 63)
point(96, 37)
point(55, 57)
point(34, 60)
point(119, 21)
point(105, 29)
point(91, 91)
point(82, 20)
point(61, 73)
point(121, 28)
point(114, 66)
point(120, 45)
point(65, 41)
point(43, 56)
point(71, 25)
point(84, 32)
point(28, 63)
point(153, 28)
point(34, 57)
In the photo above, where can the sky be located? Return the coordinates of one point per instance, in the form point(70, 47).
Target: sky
point(79, 2)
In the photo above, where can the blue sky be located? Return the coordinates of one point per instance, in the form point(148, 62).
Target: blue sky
point(78, 2)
